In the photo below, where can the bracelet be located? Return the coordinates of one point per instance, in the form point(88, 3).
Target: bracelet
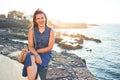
point(36, 55)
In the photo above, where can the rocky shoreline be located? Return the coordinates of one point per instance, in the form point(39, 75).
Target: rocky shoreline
point(63, 66)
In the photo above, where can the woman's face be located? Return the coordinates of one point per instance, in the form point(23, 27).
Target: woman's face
point(40, 19)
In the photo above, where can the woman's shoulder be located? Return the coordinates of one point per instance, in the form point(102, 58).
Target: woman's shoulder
point(31, 28)
point(49, 28)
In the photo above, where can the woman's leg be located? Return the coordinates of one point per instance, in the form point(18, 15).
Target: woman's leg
point(43, 73)
point(32, 70)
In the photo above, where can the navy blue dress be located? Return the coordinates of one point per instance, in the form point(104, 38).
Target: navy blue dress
point(42, 40)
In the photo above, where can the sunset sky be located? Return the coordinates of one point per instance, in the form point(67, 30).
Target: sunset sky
point(89, 11)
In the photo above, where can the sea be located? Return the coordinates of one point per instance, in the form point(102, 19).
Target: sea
point(102, 59)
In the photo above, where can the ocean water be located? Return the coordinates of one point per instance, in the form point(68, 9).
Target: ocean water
point(104, 59)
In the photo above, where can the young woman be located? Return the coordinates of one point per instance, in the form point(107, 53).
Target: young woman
point(40, 44)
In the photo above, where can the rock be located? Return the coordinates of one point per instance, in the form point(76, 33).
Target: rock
point(83, 74)
point(68, 66)
point(69, 46)
point(97, 40)
point(73, 41)
point(63, 66)
point(1, 47)
point(10, 69)
point(58, 39)
point(14, 55)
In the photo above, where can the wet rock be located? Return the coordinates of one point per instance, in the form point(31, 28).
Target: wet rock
point(70, 46)
point(58, 39)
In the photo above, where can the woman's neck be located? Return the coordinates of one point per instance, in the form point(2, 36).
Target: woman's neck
point(41, 29)
point(41, 26)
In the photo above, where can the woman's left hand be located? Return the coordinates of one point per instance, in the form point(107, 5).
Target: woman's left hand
point(38, 59)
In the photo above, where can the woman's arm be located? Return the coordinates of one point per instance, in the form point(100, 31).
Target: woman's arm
point(50, 44)
point(31, 46)
point(30, 41)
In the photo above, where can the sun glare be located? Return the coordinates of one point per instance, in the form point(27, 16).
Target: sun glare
point(90, 11)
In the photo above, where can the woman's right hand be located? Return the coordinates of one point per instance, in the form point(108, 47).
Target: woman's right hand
point(38, 59)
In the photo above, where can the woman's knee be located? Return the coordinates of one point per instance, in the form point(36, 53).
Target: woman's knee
point(33, 58)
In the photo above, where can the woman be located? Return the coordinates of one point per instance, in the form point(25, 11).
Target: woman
point(40, 44)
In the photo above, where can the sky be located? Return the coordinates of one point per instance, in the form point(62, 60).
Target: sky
point(85, 11)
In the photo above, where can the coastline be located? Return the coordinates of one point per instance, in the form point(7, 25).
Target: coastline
point(62, 66)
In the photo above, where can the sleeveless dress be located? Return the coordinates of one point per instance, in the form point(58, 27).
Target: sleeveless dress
point(42, 40)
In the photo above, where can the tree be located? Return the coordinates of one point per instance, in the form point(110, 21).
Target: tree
point(19, 15)
point(15, 14)
point(2, 16)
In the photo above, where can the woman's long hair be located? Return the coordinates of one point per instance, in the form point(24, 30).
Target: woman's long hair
point(38, 11)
